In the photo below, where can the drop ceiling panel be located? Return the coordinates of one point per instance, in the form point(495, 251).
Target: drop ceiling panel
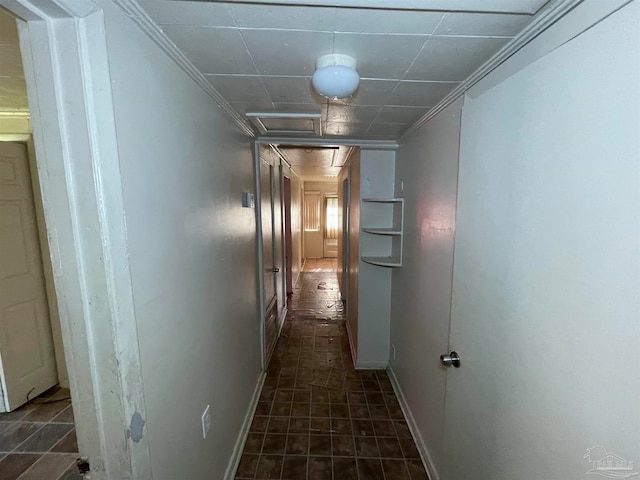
point(287, 52)
point(261, 57)
point(283, 17)
point(291, 90)
point(414, 94)
point(211, 14)
point(352, 114)
point(434, 62)
point(288, 124)
point(213, 50)
point(384, 21)
point(482, 24)
point(380, 56)
point(240, 89)
point(405, 114)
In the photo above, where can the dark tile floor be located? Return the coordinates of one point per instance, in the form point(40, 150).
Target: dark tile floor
point(318, 418)
point(38, 440)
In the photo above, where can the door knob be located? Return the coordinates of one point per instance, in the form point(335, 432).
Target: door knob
point(449, 359)
point(275, 270)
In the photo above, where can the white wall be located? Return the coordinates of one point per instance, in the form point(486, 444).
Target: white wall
point(427, 165)
point(296, 226)
point(192, 252)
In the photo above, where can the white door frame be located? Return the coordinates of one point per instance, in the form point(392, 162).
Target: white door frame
point(66, 67)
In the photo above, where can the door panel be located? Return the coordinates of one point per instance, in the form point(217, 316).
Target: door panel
point(27, 365)
point(546, 272)
point(269, 257)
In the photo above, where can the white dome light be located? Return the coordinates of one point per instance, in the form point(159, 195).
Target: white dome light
point(335, 76)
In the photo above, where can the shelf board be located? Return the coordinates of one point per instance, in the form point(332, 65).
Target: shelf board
point(383, 261)
point(383, 200)
point(383, 231)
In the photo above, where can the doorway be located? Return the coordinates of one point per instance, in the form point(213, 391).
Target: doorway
point(331, 226)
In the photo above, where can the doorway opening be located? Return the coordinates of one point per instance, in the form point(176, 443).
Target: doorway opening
point(37, 429)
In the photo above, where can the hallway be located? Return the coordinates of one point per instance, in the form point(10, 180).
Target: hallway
point(318, 418)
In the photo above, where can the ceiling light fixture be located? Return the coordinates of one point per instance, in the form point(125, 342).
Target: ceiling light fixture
point(335, 76)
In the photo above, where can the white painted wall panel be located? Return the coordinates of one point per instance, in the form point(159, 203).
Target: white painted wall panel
point(427, 166)
point(192, 253)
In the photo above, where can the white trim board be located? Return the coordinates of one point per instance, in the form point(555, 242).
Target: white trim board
point(234, 461)
point(375, 365)
point(413, 427)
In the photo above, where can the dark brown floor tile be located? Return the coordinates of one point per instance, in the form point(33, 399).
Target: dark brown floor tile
point(50, 466)
point(371, 469)
point(299, 425)
point(362, 428)
point(384, 428)
point(269, 466)
point(274, 443)
point(341, 426)
point(395, 470)
point(409, 448)
point(320, 426)
point(68, 444)
point(45, 412)
point(259, 424)
point(66, 416)
point(367, 447)
point(320, 410)
point(283, 396)
point(319, 395)
point(297, 444)
point(320, 445)
point(320, 468)
point(379, 412)
point(402, 429)
point(45, 438)
point(343, 445)
point(247, 466)
point(375, 398)
point(359, 411)
point(357, 398)
point(17, 414)
point(72, 474)
point(254, 443)
point(295, 468)
point(389, 447)
point(302, 396)
point(15, 464)
point(416, 470)
point(263, 408)
point(339, 410)
point(300, 410)
point(278, 425)
point(345, 469)
point(281, 409)
point(17, 433)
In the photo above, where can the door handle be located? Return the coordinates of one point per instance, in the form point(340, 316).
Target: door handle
point(449, 359)
point(275, 270)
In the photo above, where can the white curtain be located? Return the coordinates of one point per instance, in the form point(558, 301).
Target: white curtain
point(312, 211)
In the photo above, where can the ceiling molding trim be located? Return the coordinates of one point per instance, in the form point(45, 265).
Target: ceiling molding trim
point(330, 141)
point(526, 7)
point(535, 28)
point(138, 15)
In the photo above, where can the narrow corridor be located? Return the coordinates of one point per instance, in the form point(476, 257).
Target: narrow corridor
point(318, 418)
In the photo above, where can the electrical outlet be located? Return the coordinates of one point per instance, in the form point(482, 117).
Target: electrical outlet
point(206, 421)
point(393, 351)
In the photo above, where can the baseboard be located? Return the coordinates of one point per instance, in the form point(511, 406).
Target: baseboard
point(281, 318)
point(352, 345)
point(373, 365)
point(244, 430)
point(413, 427)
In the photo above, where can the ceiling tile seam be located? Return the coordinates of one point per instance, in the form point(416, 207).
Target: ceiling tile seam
point(144, 22)
point(530, 32)
point(253, 62)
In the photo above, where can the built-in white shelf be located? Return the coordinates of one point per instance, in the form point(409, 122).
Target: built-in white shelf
point(384, 217)
point(383, 261)
point(383, 231)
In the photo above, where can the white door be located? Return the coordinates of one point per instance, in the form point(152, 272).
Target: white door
point(270, 327)
point(27, 361)
point(546, 310)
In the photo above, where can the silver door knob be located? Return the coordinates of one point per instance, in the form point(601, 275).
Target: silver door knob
point(275, 270)
point(449, 359)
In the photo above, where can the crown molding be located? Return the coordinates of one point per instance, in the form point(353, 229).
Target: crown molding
point(542, 22)
point(139, 16)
